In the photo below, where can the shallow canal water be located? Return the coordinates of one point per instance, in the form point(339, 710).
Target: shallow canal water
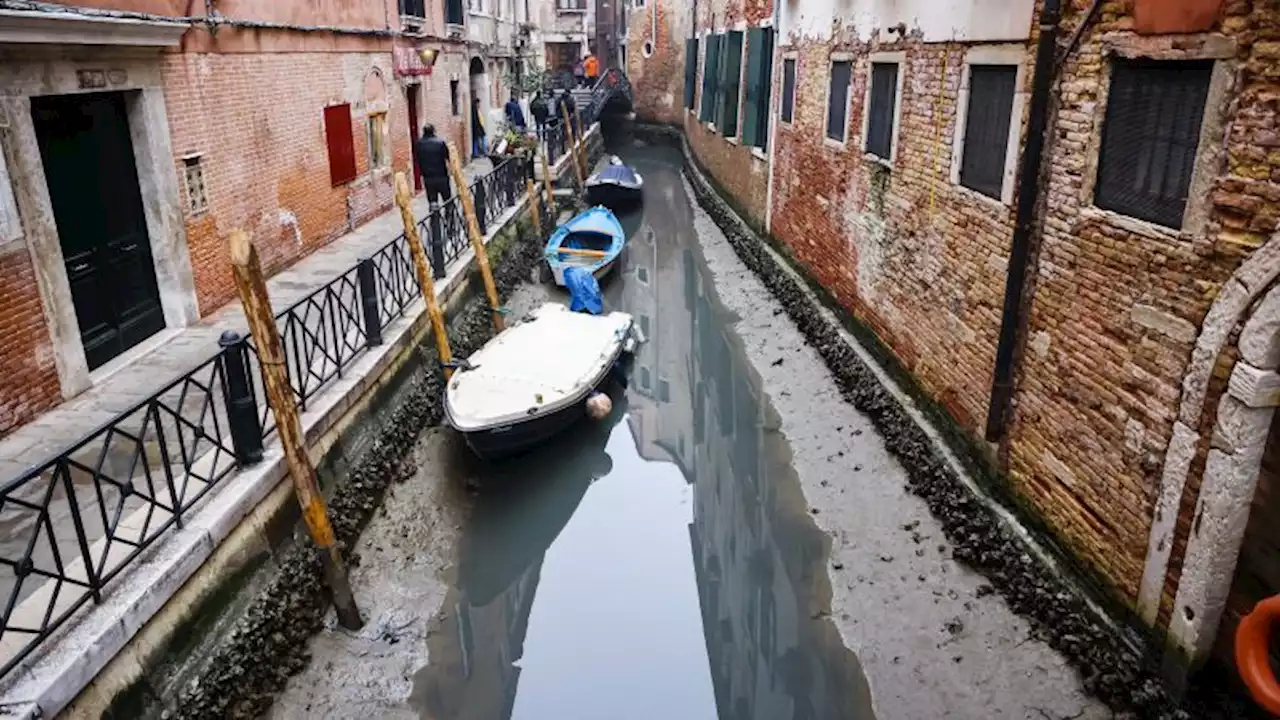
point(661, 564)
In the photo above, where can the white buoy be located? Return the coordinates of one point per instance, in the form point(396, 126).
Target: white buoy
point(599, 406)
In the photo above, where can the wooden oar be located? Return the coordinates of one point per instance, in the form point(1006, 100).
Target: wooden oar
point(583, 251)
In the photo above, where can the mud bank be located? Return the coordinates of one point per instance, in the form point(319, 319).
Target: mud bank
point(1057, 614)
point(269, 642)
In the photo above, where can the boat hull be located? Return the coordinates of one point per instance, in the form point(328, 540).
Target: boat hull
point(557, 272)
point(612, 195)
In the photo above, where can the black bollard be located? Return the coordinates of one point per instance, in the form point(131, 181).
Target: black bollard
point(237, 391)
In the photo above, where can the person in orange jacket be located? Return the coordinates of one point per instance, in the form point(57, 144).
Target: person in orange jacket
point(592, 67)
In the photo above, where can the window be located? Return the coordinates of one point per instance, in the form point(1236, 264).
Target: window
point(193, 174)
point(342, 151)
point(378, 141)
point(730, 84)
point(639, 3)
point(755, 118)
point(690, 71)
point(788, 89)
point(881, 109)
point(453, 12)
point(475, 6)
point(646, 381)
point(413, 8)
point(455, 102)
point(710, 74)
point(1150, 137)
point(986, 128)
point(664, 390)
point(571, 5)
point(838, 99)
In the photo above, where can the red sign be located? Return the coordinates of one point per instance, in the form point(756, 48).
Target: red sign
point(408, 62)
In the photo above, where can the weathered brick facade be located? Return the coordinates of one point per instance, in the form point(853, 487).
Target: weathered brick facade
point(659, 88)
point(28, 378)
point(249, 104)
point(1117, 304)
point(257, 120)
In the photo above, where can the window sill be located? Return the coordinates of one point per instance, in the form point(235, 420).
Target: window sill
point(1144, 228)
point(759, 154)
point(733, 140)
point(784, 125)
point(834, 144)
point(571, 11)
point(877, 160)
point(978, 196)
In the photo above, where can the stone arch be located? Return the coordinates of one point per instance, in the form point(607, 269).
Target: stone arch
point(1225, 492)
point(375, 90)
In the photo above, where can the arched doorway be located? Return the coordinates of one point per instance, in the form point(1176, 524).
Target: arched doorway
point(479, 91)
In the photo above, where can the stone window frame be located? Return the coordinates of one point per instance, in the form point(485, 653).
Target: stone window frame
point(898, 57)
point(794, 56)
point(832, 59)
point(1002, 54)
point(1209, 153)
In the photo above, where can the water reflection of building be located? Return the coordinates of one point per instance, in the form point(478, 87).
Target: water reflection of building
point(659, 415)
point(758, 558)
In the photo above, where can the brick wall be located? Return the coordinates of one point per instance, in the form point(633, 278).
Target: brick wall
point(919, 259)
point(258, 122)
point(658, 82)
point(28, 377)
point(922, 260)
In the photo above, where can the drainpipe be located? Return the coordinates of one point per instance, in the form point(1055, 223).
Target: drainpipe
point(1029, 190)
point(773, 122)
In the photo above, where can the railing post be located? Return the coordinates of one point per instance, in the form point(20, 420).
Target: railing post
point(481, 201)
point(237, 390)
point(367, 274)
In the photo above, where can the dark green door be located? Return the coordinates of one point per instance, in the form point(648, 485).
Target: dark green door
point(97, 205)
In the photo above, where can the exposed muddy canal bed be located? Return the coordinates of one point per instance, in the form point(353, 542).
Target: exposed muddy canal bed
point(733, 542)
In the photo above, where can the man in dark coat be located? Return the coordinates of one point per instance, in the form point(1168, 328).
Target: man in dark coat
point(565, 104)
point(538, 106)
point(433, 162)
point(432, 154)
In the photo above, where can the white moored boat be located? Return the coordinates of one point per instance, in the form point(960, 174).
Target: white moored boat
point(532, 380)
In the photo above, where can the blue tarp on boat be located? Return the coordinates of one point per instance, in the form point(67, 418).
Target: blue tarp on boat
point(584, 291)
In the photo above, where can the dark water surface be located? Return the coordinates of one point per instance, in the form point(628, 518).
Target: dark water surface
point(658, 565)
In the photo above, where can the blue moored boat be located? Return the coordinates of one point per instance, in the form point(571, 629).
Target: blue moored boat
point(591, 241)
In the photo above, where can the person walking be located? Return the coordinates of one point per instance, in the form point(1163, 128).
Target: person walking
point(477, 130)
point(571, 107)
point(579, 73)
point(592, 68)
point(538, 106)
point(432, 154)
point(515, 115)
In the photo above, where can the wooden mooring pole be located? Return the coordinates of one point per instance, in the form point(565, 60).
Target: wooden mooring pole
point(477, 238)
point(533, 209)
point(546, 183)
point(252, 286)
point(573, 150)
point(581, 147)
point(420, 268)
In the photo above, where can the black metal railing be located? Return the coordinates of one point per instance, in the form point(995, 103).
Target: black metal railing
point(70, 525)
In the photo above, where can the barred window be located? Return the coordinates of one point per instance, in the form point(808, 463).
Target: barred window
point(838, 100)
point(884, 99)
point(986, 127)
point(788, 89)
point(1150, 137)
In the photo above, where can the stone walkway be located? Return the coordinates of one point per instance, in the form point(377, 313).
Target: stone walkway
point(55, 430)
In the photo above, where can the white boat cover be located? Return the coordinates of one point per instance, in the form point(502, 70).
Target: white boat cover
point(537, 367)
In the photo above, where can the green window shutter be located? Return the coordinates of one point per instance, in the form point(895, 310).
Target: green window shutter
point(766, 88)
point(690, 71)
point(751, 109)
point(710, 69)
point(731, 83)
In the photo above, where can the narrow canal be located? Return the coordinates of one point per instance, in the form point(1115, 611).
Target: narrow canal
point(661, 564)
point(670, 562)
